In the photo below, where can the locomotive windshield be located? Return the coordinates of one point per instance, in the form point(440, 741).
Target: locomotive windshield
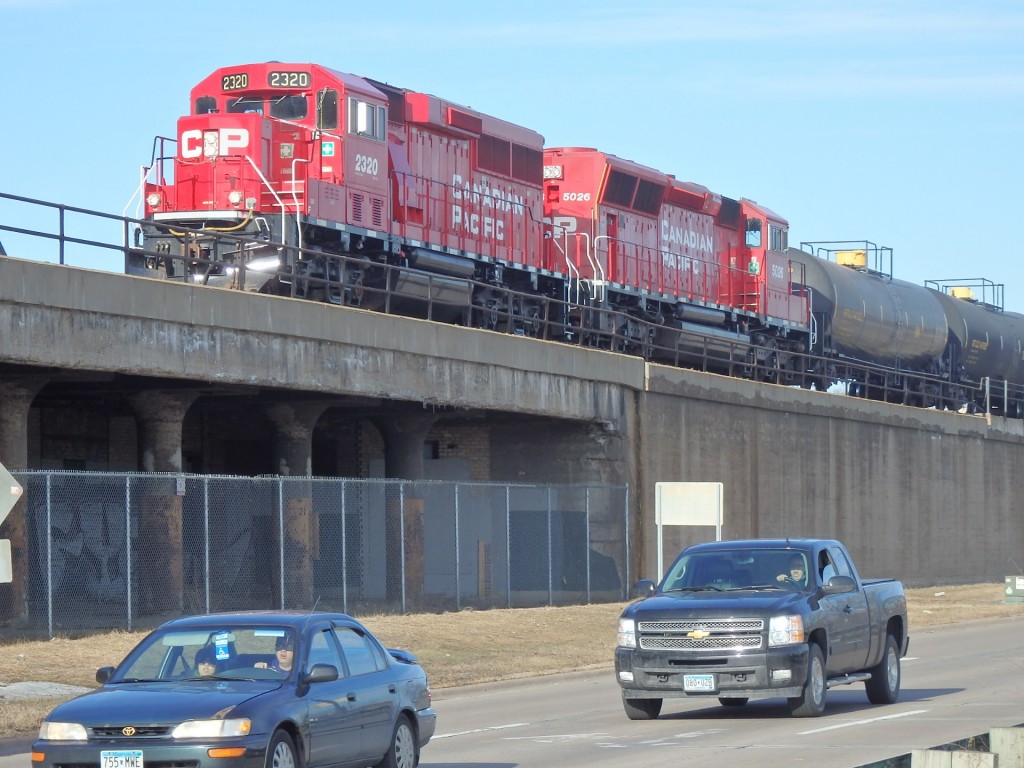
point(283, 108)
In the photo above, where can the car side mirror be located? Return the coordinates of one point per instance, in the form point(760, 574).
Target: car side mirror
point(643, 588)
point(840, 585)
point(322, 673)
point(103, 674)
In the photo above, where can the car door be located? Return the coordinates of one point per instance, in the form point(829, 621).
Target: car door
point(847, 615)
point(334, 726)
point(371, 690)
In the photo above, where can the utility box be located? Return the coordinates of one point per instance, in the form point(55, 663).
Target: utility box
point(1014, 591)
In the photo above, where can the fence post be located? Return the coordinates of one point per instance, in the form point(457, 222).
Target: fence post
point(586, 507)
point(206, 542)
point(458, 601)
point(508, 547)
point(550, 565)
point(128, 540)
point(625, 520)
point(344, 551)
point(49, 557)
point(280, 539)
point(401, 537)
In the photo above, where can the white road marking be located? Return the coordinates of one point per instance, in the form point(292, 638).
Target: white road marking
point(863, 722)
point(551, 739)
point(479, 730)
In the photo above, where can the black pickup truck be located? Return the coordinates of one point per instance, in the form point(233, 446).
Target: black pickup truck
point(736, 620)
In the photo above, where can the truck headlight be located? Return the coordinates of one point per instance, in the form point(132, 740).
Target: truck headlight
point(785, 630)
point(626, 637)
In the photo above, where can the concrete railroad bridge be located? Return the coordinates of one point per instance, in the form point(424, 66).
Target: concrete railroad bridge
point(102, 371)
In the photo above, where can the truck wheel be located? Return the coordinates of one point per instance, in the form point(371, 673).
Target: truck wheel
point(811, 701)
point(641, 709)
point(884, 685)
point(732, 701)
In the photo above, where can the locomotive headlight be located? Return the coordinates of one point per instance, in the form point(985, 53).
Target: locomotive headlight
point(211, 144)
point(552, 171)
point(235, 196)
point(153, 199)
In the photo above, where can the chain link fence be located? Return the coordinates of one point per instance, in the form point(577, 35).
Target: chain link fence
point(125, 551)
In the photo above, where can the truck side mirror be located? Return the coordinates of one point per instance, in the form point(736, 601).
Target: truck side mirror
point(643, 588)
point(840, 585)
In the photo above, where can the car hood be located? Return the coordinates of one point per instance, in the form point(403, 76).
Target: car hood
point(674, 605)
point(170, 702)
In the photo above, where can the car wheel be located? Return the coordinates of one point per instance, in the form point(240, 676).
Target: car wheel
point(281, 752)
point(732, 701)
point(641, 709)
point(884, 685)
point(403, 752)
point(811, 701)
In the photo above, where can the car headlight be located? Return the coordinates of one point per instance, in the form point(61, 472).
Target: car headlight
point(626, 637)
point(211, 729)
point(785, 630)
point(62, 732)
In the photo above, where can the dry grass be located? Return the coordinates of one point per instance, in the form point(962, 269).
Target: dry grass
point(455, 648)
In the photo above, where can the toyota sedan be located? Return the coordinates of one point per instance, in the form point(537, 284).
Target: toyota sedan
point(259, 690)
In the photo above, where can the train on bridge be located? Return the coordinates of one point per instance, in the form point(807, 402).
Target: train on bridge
point(303, 181)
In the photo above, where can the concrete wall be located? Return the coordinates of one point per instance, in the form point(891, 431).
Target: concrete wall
point(929, 497)
point(926, 496)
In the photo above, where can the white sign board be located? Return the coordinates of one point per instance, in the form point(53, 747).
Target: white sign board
point(6, 572)
point(686, 504)
point(10, 492)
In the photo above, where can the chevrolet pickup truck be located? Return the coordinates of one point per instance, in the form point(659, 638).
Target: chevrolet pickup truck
point(736, 620)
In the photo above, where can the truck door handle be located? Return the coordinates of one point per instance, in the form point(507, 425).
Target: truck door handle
point(848, 609)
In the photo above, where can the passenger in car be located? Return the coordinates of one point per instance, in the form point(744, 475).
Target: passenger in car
point(284, 655)
point(206, 661)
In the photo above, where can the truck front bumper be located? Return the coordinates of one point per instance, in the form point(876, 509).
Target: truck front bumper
point(666, 674)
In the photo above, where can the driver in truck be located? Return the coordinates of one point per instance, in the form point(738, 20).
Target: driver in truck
point(796, 577)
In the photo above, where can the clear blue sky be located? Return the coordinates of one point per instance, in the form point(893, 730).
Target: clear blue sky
point(901, 123)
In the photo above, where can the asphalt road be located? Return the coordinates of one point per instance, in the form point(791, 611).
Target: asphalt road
point(958, 681)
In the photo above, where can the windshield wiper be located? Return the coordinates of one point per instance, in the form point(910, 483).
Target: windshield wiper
point(707, 588)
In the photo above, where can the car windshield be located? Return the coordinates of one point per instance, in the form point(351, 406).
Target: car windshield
point(731, 570)
point(225, 652)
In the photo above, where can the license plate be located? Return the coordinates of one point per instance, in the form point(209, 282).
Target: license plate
point(121, 758)
point(697, 683)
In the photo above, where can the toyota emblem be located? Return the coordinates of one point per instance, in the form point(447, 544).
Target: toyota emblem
point(128, 730)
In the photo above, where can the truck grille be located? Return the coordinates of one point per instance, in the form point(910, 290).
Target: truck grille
point(713, 635)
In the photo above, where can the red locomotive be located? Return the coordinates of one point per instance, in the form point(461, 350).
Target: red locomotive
point(299, 180)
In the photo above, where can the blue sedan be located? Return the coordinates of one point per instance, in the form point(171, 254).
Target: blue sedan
point(259, 690)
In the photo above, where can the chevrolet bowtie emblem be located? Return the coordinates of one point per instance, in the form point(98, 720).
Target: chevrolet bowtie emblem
point(698, 634)
point(128, 730)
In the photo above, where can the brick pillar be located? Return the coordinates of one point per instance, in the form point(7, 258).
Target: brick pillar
point(403, 458)
point(158, 550)
point(16, 396)
point(293, 456)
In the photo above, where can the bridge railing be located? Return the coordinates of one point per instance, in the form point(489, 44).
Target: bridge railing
point(125, 551)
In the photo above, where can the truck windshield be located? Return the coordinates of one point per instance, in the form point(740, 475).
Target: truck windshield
point(738, 569)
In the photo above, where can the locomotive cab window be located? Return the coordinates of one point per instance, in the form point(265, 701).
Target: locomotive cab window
point(246, 104)
point(777, 238)
point(327, 109)
point(365, 119)
point(205, 105)
point(289, 108)
point(754, 229)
